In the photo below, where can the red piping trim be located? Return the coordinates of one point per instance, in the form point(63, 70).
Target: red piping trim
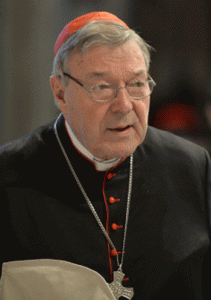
point(107, 226)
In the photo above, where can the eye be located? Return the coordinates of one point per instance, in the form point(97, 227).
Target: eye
point(102, 87)
point(137, 84)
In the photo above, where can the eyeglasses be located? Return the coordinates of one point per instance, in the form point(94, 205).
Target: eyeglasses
point(107, 92)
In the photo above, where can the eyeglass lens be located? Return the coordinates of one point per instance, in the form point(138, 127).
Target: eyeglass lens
point(109, 92)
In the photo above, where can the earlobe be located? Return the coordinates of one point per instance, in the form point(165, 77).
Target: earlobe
point(58, 90)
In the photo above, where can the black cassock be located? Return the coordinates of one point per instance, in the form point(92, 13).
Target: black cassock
point(45, 216)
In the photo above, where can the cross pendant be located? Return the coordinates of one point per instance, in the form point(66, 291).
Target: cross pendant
point(117, 288)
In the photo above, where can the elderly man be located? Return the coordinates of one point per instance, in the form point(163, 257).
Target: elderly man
point(97, 204)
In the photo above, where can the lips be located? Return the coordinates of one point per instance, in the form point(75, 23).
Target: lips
point(121, 129)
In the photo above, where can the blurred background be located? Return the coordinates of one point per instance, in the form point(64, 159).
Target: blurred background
point(178, 30)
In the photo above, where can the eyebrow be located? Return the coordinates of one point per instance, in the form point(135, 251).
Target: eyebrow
point(143, 71)
point(96, 74)
point(102, 74)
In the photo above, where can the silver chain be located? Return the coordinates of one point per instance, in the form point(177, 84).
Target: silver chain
point(90, 203)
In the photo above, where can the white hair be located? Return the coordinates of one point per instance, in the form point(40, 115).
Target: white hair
point(99, 32)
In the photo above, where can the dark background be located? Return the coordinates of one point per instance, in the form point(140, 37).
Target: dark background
point(178, 30)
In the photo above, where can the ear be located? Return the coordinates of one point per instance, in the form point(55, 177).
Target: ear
point(59, 92)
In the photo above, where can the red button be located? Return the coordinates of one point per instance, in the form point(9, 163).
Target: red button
point(126, 279)
point(112, 200)
point(110, 175)
point(113, 252)
point(114, 226)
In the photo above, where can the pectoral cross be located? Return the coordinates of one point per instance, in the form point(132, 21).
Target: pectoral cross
point(117, 288)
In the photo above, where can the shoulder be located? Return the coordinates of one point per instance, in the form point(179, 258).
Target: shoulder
point(165, 140)
point(19, 154)
point(172, 162)
point(168, 147)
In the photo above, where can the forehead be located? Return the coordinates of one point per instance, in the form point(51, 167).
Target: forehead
point(105, 60)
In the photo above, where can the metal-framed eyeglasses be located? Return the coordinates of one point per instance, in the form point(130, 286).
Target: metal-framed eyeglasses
point(106, 92)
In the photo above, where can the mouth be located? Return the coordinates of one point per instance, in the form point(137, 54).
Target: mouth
point(121, 129)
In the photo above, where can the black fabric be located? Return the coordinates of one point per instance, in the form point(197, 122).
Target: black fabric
point(44, 214)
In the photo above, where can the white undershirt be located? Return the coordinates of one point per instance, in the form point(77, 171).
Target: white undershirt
point(100, 164)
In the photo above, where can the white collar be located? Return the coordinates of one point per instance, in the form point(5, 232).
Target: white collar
point(100, 164)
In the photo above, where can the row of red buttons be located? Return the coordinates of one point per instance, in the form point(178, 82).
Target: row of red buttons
point(114, 226)
point(112, 200)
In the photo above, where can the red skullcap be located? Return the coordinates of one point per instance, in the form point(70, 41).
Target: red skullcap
point(82, 21)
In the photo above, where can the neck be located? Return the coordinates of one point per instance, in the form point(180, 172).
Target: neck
point(100, 164)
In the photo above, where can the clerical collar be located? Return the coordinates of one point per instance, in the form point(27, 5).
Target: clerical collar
point(100, 164)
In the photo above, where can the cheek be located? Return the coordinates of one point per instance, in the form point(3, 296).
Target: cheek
point(94, 114)
point(92, 125)
point(90, 122)
point(142, 111)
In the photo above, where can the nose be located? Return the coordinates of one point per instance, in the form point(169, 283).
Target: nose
point(122, 103)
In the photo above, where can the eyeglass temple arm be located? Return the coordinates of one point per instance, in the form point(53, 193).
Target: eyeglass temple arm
point(68, 75)
point(78, 82)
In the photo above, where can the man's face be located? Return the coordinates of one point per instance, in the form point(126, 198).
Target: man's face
point(108, 129)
